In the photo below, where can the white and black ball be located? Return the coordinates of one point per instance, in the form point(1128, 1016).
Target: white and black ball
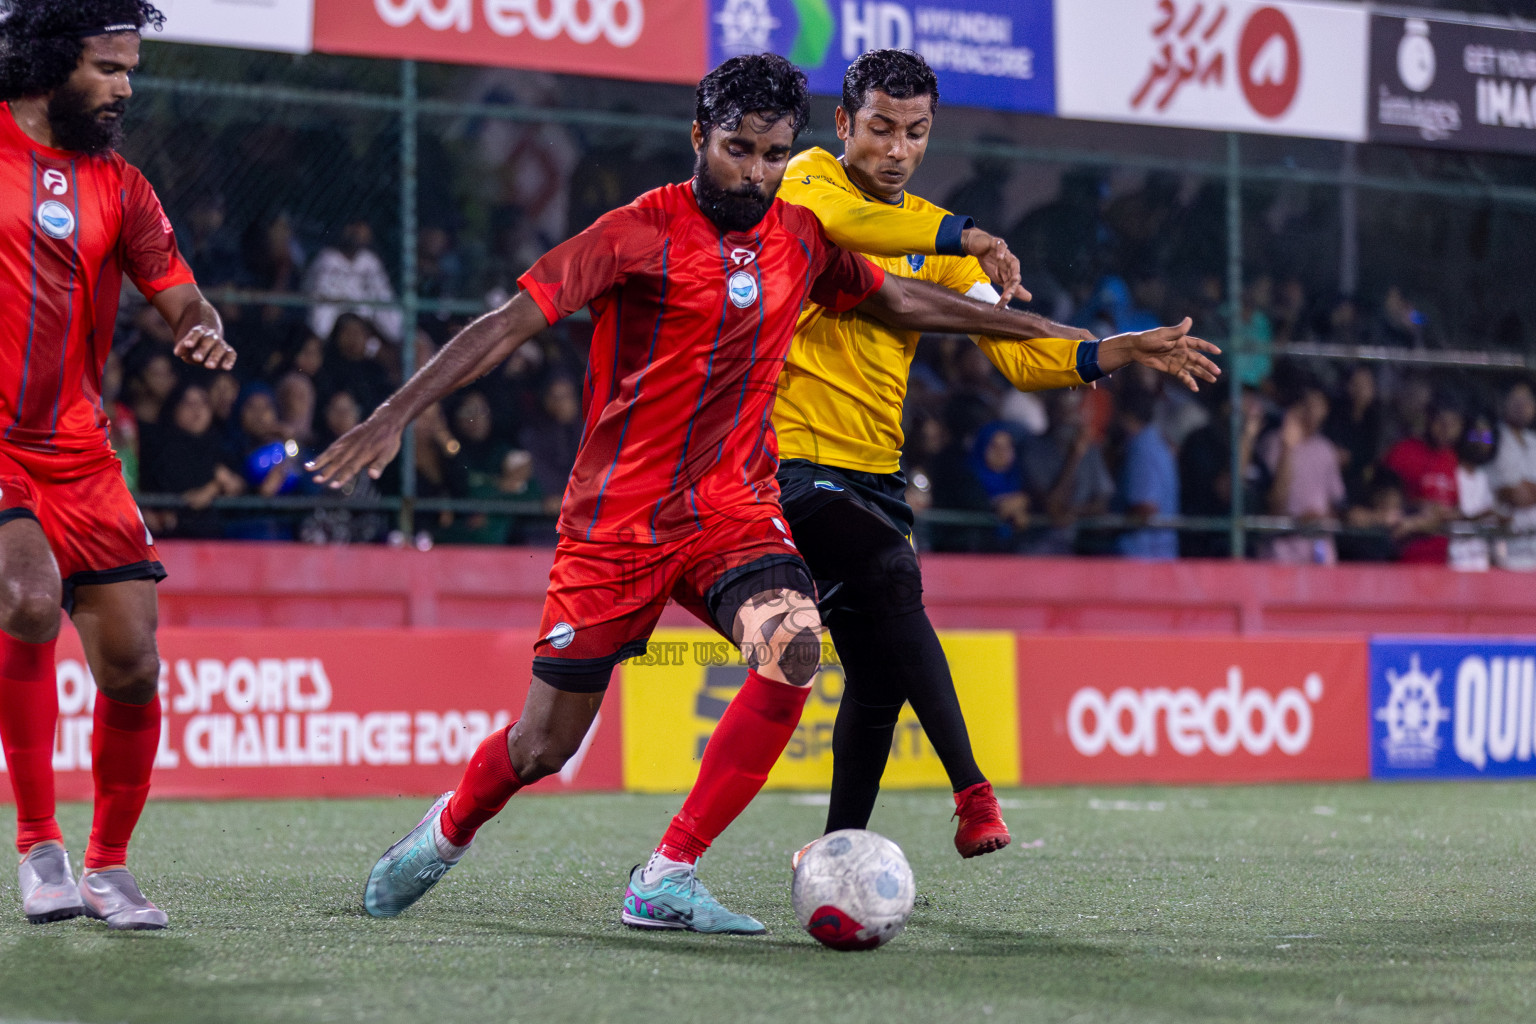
point(853, 890)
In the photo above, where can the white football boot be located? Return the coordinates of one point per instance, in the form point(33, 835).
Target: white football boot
point(113, 896)
point(48, 890)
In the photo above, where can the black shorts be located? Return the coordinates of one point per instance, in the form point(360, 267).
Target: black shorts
point(808, 487)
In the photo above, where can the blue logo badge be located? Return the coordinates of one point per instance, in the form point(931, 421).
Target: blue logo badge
point(827, 485)
point(916, 262)
point(743, 289)
point(56, 219)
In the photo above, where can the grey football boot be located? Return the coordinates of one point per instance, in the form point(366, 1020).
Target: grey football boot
point(409, 868)
point(113, 896)
point(48, 890)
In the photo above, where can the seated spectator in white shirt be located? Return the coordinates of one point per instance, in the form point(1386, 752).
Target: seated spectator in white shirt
point(348, 273)
point(1513, 472)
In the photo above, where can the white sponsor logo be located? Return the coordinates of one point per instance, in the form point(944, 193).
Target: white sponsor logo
point(55, 182)
point(618, 21)
point(1412, 715)
point(561, 636)
point(56, 219)
point(745, 26)
point(1129, 721)
point(1416, 56)
point(1495, 705)
point(743, 289)
point(742, 257)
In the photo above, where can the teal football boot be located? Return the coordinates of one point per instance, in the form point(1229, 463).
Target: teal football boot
point(679, 900)
point(408, 869)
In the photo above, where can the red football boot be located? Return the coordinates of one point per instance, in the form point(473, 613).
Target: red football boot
point(981, 821)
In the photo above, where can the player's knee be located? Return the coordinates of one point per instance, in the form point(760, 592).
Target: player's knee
point(799, 655)
point(31, 610)
point(132, 677)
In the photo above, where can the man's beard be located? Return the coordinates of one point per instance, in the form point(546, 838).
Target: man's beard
point(77, 126)
point(741, 210)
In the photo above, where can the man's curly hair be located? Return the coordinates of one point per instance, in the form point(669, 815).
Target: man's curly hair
point(41, 40)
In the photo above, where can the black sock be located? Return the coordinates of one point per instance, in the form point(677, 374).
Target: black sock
point(919, 667)
point(861, 743)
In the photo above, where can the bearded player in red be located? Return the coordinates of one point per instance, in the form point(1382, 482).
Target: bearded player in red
point(695, 290)
point(74, 218)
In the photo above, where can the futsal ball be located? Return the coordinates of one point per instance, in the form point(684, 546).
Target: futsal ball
point(853, 890)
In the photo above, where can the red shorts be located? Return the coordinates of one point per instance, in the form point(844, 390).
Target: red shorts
point(86, 511)
point(605, 597)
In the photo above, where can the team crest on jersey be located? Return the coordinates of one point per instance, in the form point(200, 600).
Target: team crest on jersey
point(561, 636)
point(916, 262)
point(56, 219)
point(55, 182)
point(742, 287)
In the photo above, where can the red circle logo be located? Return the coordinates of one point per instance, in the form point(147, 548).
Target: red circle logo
point(1269, 62)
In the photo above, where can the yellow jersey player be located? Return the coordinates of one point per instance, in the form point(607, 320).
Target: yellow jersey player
point(838, 420)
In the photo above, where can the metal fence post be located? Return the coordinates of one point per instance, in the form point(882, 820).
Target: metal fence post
point(1235, 335)
point(408, 291)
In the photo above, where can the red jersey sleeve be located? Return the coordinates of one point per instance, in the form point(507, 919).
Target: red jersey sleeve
point(582, 269)
point(845, 278)
point(150, 257)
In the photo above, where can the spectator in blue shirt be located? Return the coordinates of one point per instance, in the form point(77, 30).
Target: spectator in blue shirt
point(1149, 479)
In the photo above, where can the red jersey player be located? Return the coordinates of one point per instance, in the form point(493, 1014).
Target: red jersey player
point(695, 289)
point(74, 218)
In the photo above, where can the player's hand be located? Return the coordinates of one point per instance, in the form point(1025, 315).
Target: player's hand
point(370, 445)
point(1000, 264)
point(1174, 351)
point(205, 346)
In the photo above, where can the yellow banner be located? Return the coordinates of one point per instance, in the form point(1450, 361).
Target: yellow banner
point(674, 697)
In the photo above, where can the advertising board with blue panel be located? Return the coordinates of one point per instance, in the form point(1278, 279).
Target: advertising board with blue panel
point(1453, 707)
point(987, 53)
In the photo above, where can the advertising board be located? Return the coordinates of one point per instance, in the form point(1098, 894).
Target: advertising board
point(1124, 709)
point(642, 40)
point(986, 53)
point(1288, 67)
point(284, 25)
point(1451, 84)
point(1452, 707)
point(321, 713)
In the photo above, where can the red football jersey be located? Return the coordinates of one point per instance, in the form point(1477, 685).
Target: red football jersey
point(691, 330)
point(70, 227)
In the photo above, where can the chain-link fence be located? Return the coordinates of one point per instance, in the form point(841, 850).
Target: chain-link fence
point(423, 191)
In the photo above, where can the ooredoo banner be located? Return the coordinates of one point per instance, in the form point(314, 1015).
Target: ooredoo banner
point(645, 40)
point(1175, 709)
point(1451, 84)
point(1453, 707)
point(987, 53)
point(1288, 67)
point(675, 695)
point(285, 25)
point(319, 713)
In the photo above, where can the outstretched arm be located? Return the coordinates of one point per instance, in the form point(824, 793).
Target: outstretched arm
point(920, 306)
point(471, 354)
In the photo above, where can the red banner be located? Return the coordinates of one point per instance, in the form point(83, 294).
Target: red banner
point(645, 40)
point(1166, 709)
point(326, 713)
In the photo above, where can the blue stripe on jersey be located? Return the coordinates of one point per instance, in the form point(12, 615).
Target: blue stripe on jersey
point(26, 365)
point(597, 509)
point(69, 293)
point(709, 371)
point(746, 378)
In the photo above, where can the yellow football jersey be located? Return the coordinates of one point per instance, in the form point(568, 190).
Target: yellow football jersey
point(844, 383)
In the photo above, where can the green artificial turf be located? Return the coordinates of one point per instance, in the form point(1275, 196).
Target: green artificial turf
point(1398, 904)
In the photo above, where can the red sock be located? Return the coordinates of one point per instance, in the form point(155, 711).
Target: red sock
point(123, 744)
point(29, 718)
point(489, 782)
point(752, 734)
